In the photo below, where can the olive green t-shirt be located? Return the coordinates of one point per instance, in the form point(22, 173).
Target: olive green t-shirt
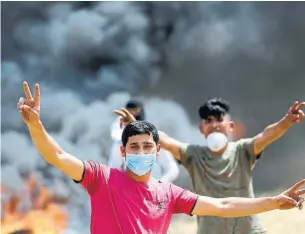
point(228, 175)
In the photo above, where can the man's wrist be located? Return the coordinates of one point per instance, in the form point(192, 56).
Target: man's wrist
point(275, 203)
point(35, 126)
point(286, 122)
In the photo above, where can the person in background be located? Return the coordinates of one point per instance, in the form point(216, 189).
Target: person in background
point(224, 168)
point(166, 168)
point(131, 201)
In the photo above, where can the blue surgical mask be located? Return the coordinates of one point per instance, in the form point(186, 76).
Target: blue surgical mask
point(140, 164)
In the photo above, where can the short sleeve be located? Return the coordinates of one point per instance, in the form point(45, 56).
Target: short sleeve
point(187, 153)
point(93, 177)
point(246, 146)
point(184, 200)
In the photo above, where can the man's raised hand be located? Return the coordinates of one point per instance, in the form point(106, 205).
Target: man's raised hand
point(126, 116)
point(295, 113)
point(29, 107)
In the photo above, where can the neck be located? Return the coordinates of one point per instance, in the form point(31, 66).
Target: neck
point(218, 153)
point(143, 179)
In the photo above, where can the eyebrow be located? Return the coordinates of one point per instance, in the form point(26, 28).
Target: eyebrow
point(144, 142)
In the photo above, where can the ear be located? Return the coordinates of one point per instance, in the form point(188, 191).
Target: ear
point(239, 130)
point(158, 148)
point(231, 126)
point(200, 126)
point(123, 151)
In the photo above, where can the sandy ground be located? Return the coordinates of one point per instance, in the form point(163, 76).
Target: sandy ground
point(276, 222)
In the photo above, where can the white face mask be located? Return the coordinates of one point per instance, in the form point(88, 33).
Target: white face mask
point(216, 141)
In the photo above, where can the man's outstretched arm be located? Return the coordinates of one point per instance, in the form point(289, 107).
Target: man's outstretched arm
point(278, 129)
point(29, 109)
point(170, 144)
point(233, 207)
point(239, 207)
point(54, 154)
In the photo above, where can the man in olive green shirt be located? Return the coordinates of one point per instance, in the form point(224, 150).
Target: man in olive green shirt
point(222, 168)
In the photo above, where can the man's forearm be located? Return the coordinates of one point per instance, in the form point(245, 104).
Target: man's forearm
point(162, 139)
point(45, 144)
point(171, 145)
point(239, 207)
point(233, 206)
point(270, 134)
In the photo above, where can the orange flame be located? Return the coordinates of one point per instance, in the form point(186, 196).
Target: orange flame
point(46, 214)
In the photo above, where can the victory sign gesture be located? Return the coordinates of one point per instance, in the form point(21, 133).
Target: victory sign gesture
point(292, 197)
point(295, 113)
point(29, 107)
point(126, 116)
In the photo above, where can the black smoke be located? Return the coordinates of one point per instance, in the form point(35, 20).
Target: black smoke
point(251, 53)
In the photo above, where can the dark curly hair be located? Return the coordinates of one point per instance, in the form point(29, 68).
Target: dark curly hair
point(215, 107)
point(139, 127)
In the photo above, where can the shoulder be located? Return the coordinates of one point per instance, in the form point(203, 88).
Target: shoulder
point(234, 144)
point(244, 142)
point(94, 166)
point(114, 172)
point(99, 168)
point(237, 146)
point(159, 185)
point(171, 188)
point(194, 149)
point(189, 152)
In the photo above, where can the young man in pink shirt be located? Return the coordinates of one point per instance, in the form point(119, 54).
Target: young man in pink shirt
point(132, 201)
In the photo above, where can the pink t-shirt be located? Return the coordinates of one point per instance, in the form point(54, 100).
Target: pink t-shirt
point(120, 204)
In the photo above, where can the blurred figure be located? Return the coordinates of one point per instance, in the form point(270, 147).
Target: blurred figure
point(222, 168)
point(136, 109)
point(166, 168)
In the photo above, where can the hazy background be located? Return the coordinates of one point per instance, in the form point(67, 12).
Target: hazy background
point(91, 57)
